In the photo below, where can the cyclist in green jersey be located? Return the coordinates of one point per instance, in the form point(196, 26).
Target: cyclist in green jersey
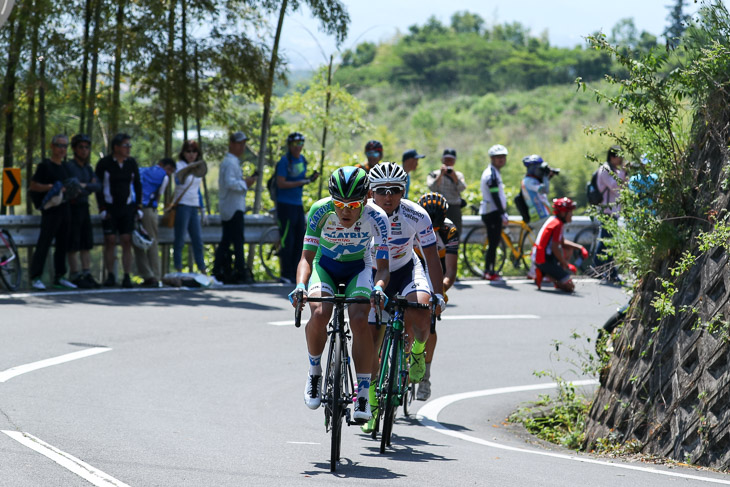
point(337, 251)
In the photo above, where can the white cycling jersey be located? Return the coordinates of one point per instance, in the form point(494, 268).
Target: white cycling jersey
point(407, 223)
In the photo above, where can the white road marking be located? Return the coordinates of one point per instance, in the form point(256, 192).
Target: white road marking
point(303, 443)
point(428, 416)
point(22, 369)
point(69, 462)
point(444, 317)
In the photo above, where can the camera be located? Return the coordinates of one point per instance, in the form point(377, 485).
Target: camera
point(449, 171)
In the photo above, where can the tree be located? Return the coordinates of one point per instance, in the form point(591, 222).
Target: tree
point(334, 19)
point(678, 21)
point(466, 22)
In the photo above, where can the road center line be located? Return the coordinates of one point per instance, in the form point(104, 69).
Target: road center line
point(6, 375)
point(428, 416)
point(445, 317)
point(69, 462)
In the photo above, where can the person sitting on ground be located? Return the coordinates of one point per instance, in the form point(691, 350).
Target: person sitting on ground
point(551, 250)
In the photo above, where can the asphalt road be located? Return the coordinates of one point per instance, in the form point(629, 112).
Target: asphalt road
point(204, 388)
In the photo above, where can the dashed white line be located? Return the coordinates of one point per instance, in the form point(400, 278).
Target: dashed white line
point(428, 416)
point(23, 369)
point(69, 462)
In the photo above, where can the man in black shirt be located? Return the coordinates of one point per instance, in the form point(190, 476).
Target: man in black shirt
point(50, 176)
point(120, 204)
point(81, 239)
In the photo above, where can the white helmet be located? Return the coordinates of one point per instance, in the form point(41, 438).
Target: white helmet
point(387, 174)
point(498, 150)
point(141, 239)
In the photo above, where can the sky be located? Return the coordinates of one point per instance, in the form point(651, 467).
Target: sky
point(566, 21)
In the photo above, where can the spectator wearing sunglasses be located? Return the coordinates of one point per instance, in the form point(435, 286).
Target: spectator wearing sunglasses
point(291, 177)
point(374, 153)
point(120, 204)
point(450, 183)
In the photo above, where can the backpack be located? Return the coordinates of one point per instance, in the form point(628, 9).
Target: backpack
point(521, 205)
point(271, 182)
point(593, 194)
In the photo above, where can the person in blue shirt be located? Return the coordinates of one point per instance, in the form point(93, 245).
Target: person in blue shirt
point(291, 177)
point(155, 180)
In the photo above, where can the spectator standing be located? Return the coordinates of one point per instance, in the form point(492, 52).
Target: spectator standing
point(611, 175)
point(291, 177)
point(155, 180)
point(48, 180)
point(374, 153)
point(493, 210)
point(81, 239)
point(190, 210)
point(535, 189)
point(449, 183)
point(120, 204)
point(232, 187)
point(410, 164)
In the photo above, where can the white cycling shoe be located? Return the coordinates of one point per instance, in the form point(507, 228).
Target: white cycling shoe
point(362, 412)
point(313, 391)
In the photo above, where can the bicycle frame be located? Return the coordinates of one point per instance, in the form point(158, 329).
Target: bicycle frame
point(6, 244)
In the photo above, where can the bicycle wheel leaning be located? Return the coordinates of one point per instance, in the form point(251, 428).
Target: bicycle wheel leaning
point(474, 251)
point(588, 237)
point(527, 240)
point(269, 249)
point(10, 269)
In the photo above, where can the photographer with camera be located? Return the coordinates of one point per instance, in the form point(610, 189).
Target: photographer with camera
point(536, 188)
point(450, 183)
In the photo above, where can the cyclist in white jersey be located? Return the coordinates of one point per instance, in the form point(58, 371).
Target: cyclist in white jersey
point(336, 251)
point(409, 224)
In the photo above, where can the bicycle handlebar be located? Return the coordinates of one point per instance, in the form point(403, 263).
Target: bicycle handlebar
point(339, 299)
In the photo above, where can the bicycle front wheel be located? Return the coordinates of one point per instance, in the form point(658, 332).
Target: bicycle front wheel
point(10, 269)
point(527, 240)
point(392, 395)
point(269, 252)
point(337, 406)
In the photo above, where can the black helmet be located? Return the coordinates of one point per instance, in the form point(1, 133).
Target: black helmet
point(374, 145)
point(293, 137)
point(349, 184)
point(435, 205)
point(78, 138)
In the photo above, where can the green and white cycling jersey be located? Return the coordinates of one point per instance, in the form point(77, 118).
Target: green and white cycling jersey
point(408, 223)
point(330, 239)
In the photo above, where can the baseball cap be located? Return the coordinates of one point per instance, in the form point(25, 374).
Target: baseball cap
point(449, 153)
point(238, 137)
point(412, 154)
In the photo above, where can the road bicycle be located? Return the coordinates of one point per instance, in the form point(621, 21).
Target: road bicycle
point(394, 388)
point(475, 245)
point(10, 269)
point(339, 388)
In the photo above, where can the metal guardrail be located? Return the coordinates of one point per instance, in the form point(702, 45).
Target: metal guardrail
point(26, 228)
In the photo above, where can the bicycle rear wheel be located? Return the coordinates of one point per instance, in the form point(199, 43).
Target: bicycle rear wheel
point(337, 406)
point(269, 250)
point(474, 252)
point(527, 240)
point(10, 268)
point(392, 395)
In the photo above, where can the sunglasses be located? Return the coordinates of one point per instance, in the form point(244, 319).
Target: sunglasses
point(352, 205)
point(373, 153)
point(386, 191)
point(298, 143)
point(61, 146)
point(127, 145)
point(83, 147)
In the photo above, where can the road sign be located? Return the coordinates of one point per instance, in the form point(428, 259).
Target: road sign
point(11, 186)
